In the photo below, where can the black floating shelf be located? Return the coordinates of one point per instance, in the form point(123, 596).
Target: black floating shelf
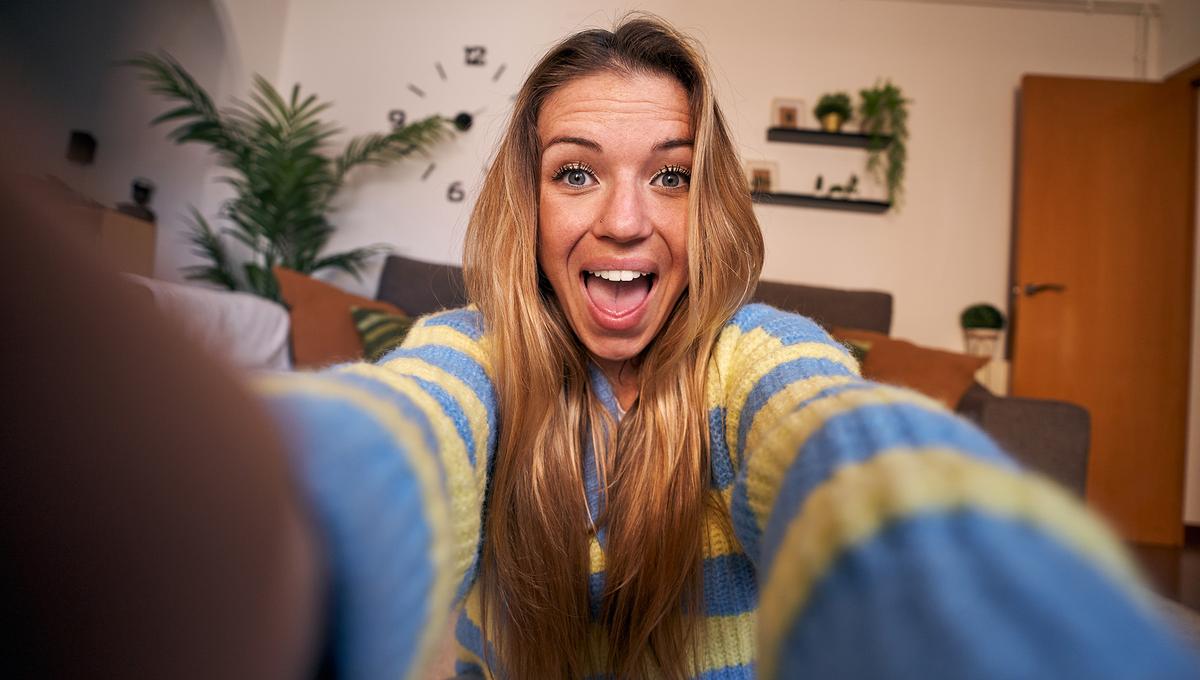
point(808, 136)
point(810, 201)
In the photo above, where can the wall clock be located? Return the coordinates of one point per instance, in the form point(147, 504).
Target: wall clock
point(470, 90)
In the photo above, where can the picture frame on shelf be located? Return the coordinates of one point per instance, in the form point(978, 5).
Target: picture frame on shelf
point(787, 112)
point(762, 176)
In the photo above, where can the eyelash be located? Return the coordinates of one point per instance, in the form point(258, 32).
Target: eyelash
point(682, 172)
point(573, 166)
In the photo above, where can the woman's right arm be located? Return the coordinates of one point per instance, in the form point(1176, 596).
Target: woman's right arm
point(393, 458)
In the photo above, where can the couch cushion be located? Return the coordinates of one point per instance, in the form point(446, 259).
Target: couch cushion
point(323, 332)
point(421, 287)
point(380, 331)
point(943, 375)
point(865, 309)
point(247, 330)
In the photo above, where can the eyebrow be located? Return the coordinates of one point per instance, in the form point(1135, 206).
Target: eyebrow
point(664, 145)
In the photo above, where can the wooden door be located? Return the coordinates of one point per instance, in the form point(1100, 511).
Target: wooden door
point(1102, 282)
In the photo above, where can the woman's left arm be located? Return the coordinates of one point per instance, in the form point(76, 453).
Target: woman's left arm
point(893, 539)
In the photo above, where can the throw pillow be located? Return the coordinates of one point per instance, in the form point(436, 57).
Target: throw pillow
point(322, 331)
point(380, 332)
point(945, 376)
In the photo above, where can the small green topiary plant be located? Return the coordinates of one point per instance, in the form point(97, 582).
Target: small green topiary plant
point(982, 316)
point(834, 102)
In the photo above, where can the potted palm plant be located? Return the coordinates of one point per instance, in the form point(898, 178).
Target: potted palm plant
point(275, 149)
point(833, 110)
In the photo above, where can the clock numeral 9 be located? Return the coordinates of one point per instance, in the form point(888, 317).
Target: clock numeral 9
point(475, 55)
point(455, 193)
point(396, 117)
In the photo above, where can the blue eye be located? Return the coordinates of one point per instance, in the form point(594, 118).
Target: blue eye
point(672, 177)
point(575, 174)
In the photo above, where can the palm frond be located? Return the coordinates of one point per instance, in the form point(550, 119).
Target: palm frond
point(352, 262)
point(207, 244)
point(197, 116)
point(379, 149)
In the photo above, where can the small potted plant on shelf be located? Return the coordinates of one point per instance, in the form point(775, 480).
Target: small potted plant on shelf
point(883, 112)
point(833, 110)
point(981, 326)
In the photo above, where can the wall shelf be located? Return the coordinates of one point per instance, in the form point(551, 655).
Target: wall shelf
point(812, 201)
point(813, 136)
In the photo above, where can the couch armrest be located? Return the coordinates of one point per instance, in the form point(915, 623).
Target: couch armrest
point(1051, 437)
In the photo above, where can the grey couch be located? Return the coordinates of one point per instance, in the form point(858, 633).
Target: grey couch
point(1049, 436)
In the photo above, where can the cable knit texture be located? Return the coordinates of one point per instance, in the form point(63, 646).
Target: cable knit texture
point(874, 534)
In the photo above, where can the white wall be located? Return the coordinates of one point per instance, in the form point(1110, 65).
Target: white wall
point(1180, 42)
point(946, 249)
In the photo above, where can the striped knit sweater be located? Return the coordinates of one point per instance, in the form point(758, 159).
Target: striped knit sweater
point(875, 535)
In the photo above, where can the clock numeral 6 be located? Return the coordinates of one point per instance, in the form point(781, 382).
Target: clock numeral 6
point(396, 117)
point(475, 55)
point(455, 193)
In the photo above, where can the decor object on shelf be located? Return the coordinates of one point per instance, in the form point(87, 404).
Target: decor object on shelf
point(762, 176)
point(787, 113)
point(833, 110)
point(141, 189)
point(845, 191)
point(883, 113)
point(282, 179)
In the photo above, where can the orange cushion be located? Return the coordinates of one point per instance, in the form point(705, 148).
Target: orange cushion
point(323, 331)
point(945, 376)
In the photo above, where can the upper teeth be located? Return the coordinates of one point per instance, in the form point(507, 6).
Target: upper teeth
point(619, 274)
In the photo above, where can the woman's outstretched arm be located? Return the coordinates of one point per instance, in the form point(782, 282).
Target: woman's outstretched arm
point(893, 539)
point(393, 458)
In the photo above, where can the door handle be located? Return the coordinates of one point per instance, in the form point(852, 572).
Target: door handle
point(1031, 289)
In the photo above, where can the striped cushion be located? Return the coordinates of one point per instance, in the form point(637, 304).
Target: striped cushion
point(380, 331)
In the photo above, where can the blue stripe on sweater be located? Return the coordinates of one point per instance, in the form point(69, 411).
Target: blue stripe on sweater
point(720, 460)
point(455, 412)
point(368, 503)
point(789, 329)
point(964, 594)
point(777, 379)
point(470, 637)
point(464, 368)
point(467, 321)
point(857, 436)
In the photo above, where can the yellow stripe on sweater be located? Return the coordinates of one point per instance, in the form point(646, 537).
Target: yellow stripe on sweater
point(425, 468)
point(760, 354)
point(424, 334)
point(464, 487)
point(860, 500)
point(468, 401)
point(782, 439)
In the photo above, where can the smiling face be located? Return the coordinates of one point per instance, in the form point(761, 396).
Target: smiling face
point(612, 232)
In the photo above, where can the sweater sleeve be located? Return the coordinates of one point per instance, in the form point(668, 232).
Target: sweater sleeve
point(893, 539)
point(393, 459)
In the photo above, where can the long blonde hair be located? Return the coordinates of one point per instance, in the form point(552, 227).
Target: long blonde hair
point(654, 465)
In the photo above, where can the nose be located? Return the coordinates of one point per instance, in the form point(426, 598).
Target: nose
point(624, 216)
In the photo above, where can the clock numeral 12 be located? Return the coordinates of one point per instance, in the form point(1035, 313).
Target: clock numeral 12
point(476, 55)
point(455, 193)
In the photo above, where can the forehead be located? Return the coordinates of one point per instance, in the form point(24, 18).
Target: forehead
point(616, 104)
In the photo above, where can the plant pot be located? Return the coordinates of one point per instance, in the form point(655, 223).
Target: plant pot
point(832, 122)
point(981, 342)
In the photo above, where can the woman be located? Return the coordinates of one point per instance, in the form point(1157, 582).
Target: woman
point(623, 468)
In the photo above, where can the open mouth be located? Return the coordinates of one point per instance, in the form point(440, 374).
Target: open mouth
point(618, 293)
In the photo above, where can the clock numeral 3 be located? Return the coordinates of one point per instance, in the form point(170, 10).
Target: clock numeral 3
point(454, 194)
point(396, 117)
point(476, 55)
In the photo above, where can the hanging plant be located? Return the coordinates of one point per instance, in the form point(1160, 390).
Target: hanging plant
point(883, 112)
